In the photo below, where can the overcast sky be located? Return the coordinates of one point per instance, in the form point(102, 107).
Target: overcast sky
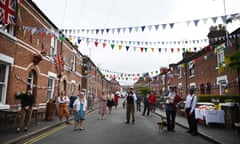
point(100, 14)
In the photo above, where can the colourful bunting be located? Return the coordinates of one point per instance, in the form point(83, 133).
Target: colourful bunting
point(96, 44)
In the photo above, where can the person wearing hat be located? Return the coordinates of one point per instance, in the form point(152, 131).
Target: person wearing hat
point(130, 102)
point(190, 105)
point(63, 101)
point(171, 109)
point(27, 101)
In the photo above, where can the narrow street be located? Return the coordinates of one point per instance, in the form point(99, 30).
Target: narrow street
point(113, 130)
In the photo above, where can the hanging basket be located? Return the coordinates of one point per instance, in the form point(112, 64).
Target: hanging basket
point(37, 59)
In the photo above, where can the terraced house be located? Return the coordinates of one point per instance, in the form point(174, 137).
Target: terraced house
point(207, 70)
point(34, 53)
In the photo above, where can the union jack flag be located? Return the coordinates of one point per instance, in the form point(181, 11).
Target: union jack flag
point(59, 63)
point(7, 11)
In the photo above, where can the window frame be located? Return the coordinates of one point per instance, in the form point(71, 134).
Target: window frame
point(8, 61)
point(50, 88)
point(53, 47)
point(220, 55)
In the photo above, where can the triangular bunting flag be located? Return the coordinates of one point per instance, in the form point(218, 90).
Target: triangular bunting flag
point(164, 26)
point(196, 22)
point(79, 40)
point(214, 19)
point(150, 27)
point(127, 48)
point(171, 25)
point(104, 45)
point(224, 18)
point(119, 47)
point(112, 46)
point(152, 49)
point(107, 30)
point(156, 27)
point(118, 30)
point(159, 49)
point(130, 29)
point(97, 30)
point(96, 43)
point(143, 27)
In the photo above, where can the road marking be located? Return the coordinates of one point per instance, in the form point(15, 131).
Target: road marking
point(50, 132)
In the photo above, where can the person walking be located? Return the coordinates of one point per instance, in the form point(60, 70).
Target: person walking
point(190, 105)
point(90, 100)
point(110, 102)
point(138, 102)
point(102, 106)
point(116, 100)
point(146, 105)
point(130, 100)
point(79, 108)
point(171, 109)
point(27, 101)
point(152, 102)
point(63, 101)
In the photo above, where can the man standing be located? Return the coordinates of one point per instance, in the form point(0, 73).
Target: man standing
point(171, 109)
point(139, 99)
point(63, 101)
point(190, 105)
point(27, 101)
point(130, 99)
point(146, 105)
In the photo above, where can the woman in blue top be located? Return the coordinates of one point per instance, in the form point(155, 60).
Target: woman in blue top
point(79, 108)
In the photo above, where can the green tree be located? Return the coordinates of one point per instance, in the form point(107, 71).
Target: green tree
point(144, 90)
point(234, 61)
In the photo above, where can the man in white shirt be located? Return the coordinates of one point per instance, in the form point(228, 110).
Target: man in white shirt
point(190, 105)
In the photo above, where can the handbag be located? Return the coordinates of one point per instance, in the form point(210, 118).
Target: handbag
point(177, 99)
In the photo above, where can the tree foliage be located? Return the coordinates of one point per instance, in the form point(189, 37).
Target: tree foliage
point(234, 61)
point(144, 90)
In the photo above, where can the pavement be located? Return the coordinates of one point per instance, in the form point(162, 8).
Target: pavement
point(219, 134)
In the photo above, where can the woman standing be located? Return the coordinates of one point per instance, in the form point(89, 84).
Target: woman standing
point(80, 107)
point(110, 102)
point(102, 106)
point(152, 102)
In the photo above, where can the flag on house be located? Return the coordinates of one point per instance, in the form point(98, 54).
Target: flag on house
point(59, 62)
point(7, 11)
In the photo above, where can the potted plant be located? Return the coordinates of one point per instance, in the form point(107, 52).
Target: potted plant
point(37, 59)
point(19, 94)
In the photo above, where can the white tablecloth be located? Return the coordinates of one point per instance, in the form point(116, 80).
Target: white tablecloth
point(210, 116)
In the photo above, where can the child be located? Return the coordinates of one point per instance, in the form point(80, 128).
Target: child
point(79, 108)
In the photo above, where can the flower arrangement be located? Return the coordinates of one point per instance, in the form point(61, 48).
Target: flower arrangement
point(19, 94)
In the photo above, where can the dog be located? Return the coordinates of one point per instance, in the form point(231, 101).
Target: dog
point(161, 124)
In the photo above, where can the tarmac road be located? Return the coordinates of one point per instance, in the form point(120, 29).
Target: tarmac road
point(113, 130)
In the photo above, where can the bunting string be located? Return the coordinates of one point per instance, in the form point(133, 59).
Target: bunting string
point(37, 86)
point(149, 27)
